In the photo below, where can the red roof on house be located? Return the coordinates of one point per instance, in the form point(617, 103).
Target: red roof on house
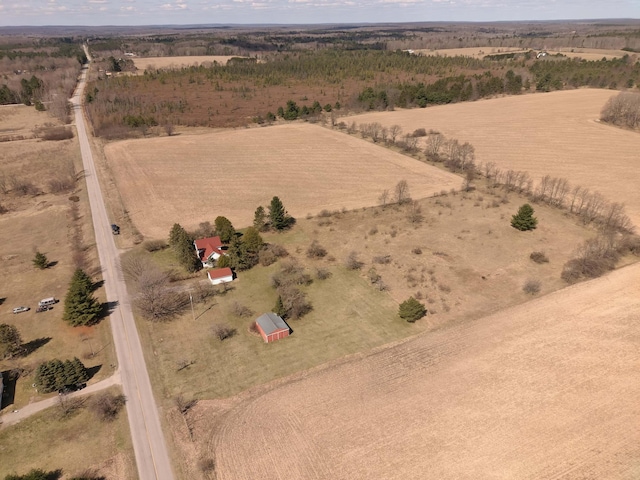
point(219, 273)
point(207, 246)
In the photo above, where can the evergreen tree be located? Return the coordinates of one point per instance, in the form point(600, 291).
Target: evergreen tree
point(176, 234)
point(524, 219)
point(80, 306)
point(57, 375)
point(278, 215)
point(237, 254)
point(40, 261)
point(260, 219)
point(10, 341)
point(411, 310)
point(252, 240)
point(223, 261)
point(279, 308)
point(184, 249)
point(224, 229)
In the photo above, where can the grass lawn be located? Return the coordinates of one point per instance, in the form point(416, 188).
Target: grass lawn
point(348, 316)
point(72, 444)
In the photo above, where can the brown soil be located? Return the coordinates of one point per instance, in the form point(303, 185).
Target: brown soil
point(192, 179)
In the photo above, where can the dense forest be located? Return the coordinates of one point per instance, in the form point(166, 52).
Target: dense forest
point(248, 90)
point(42, 73)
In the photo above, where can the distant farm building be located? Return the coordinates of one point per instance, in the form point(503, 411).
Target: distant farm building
point(220, 275)
point(209, 250)
point(272, 327)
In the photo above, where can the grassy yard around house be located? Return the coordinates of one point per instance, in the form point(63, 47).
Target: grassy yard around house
point(72, 444)
point(348, 316)
point(462, 259)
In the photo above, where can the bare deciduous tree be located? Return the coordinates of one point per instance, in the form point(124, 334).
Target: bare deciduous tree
point(401, 192)
point(394, 131)
point(434, 145)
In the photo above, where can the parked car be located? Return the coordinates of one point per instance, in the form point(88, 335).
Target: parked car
point(21, 309)
point(43, 308)
point(115, 229)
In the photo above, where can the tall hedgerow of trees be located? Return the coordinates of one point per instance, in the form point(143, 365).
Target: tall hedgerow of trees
point(182, 245)
point(80, 305)
point(58, 375)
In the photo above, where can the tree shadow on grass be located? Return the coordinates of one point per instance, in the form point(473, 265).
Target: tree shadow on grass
point(2, 299)
point(92, 371)
point(30, 347)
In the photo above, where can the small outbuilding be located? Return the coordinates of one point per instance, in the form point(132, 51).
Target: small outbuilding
point(220, 275)
point(272, 327)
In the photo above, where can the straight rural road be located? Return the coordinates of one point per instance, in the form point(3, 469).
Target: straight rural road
point(149, 445)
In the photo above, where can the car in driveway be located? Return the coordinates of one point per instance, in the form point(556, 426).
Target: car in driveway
point(21, 309)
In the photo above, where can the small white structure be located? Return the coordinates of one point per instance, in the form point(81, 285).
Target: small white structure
point(220, 275)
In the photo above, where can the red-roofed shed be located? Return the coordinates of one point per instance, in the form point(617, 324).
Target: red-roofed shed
point(220, 275)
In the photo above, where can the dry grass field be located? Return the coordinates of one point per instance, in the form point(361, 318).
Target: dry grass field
point(544, 389)
point(159, 63)
point(554, 133)
point(471, 262)
point(73, 444)
point(547, 389)
point(42, 221)
point(191, 179)
point(481, 52)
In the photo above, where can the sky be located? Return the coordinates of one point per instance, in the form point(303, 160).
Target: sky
point(165, 12)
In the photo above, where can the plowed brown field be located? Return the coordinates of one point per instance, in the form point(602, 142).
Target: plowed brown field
point(547, 389)
point(142, 63)
point(554, 133)
point(192, 179)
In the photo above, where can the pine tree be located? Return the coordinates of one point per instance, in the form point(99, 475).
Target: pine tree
point(252, 240)
point(411, 310)
point(184, 249)
point(10, 341)
point(237, 254)
point(279, 308)
point(524, 219)
point(176, 234)
point(223, 261)
point(260, 219)
point(224, 229)
point(278, 215)
point(80, 306)
point(40, 261)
